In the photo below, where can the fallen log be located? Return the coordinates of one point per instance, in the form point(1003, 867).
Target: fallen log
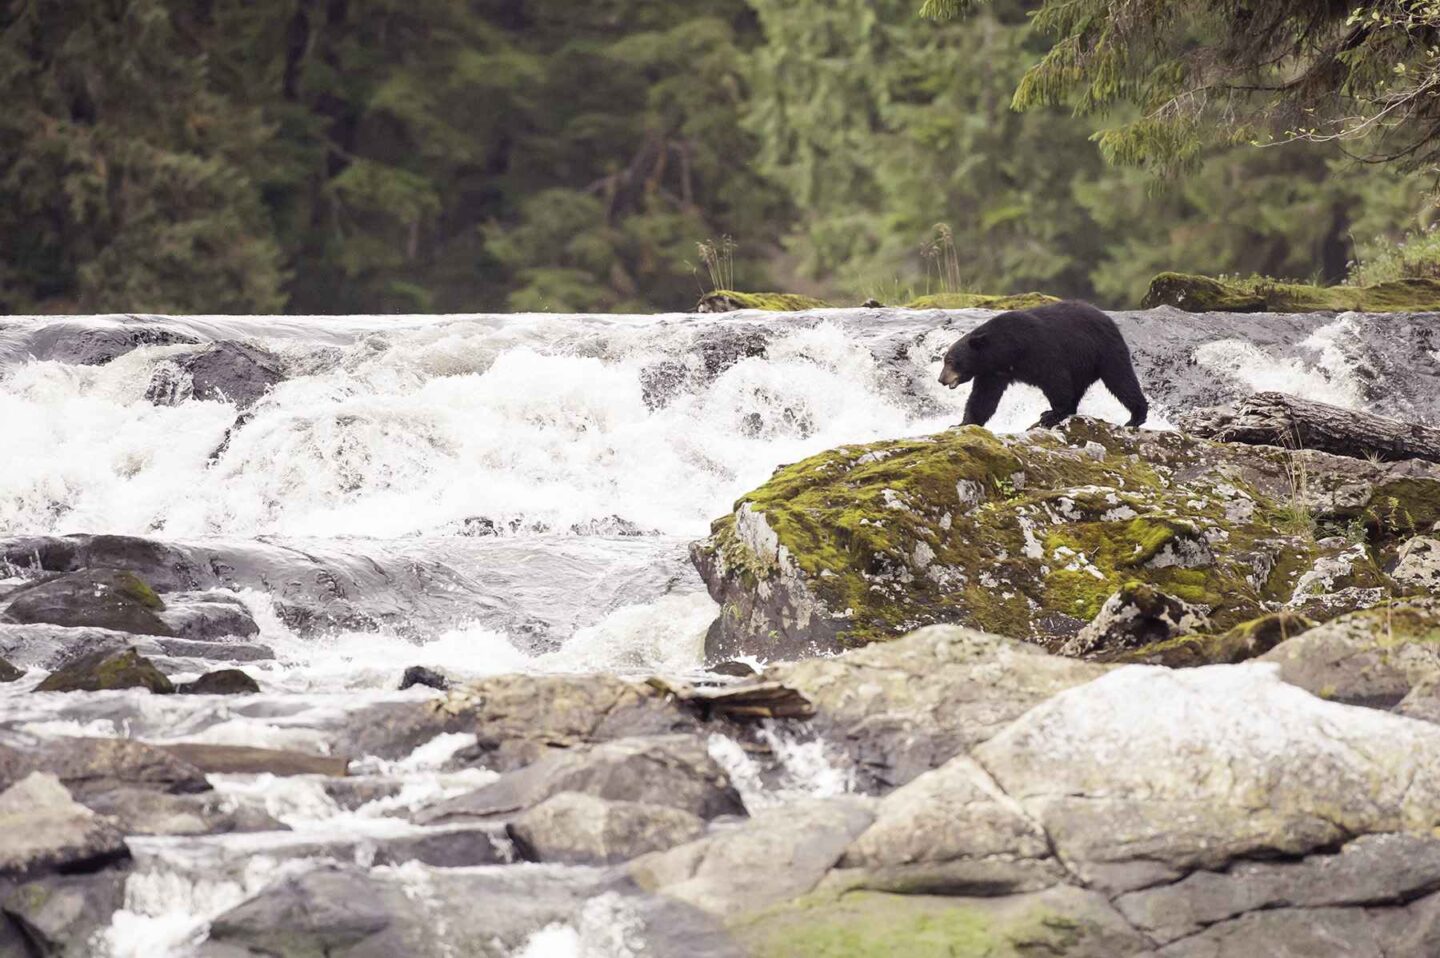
point(1276, 419)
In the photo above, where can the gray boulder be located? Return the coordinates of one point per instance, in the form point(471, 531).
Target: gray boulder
point(207, 616)
point(90, 766)
point(1147, 773)
point(1417, 565)
point(221, 682)
point(1375, 657)
point(779, 854)
point(903, 707)
point(951, 831)
point(314, 915)
point(59, 915)
point(95, 598)
point(675, 771)
point(42, 829)
point(578, 829)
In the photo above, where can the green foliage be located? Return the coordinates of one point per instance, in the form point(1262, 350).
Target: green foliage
point(1417, 256)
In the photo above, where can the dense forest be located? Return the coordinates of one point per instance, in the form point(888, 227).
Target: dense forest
point(435, 155)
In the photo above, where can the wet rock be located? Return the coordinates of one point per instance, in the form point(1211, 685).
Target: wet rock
point(61, 914)
point(88, 343)
point(318, 913)
point(420, 675)
point(1109, 771)
point(143, 811)
point(97, 598)
point(225, 372)
point(517, 719)
point(1242, 643)
point(1370, 870)
point(207, 651)
point(733, 871)
point(1061, 921)
point(671, 770)
point(1418, 565)
point(463, 846)
point(246, 760)
point(900, 708)
point(733, 667)
point(951, 831)
point(610, 526)
point(8, 672)
point(1375, 657)
point(316, 587)
point(1027, 536)
point(207, 616)
point(1136, 616)
point(221, 682)
point(578, 829)
point(90, 766)
point(107, 670)
point(42, 829)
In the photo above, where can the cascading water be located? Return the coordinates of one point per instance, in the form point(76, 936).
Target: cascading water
point(524, 487)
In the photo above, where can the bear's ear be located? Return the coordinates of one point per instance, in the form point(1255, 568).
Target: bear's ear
point(977, 338)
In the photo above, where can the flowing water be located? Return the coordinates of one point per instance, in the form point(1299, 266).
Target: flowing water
point(527, 486)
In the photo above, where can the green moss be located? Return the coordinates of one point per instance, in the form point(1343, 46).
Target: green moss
point(1199, 294)
point(1245, 641)
point(879, 925)
point(729, 300)
point(129, 584)
point(980, 301)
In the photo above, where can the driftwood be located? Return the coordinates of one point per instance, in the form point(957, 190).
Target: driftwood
point(1275, 419)
point(752, 700)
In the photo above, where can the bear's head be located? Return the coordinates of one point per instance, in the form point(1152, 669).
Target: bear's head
point(976, 352)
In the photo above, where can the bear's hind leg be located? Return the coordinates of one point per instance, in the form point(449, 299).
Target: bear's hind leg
point(1119, 377)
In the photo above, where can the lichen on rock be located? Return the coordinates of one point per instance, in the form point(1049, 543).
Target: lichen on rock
point(1028, 536)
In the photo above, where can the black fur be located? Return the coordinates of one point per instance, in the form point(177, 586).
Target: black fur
point(1062, 349)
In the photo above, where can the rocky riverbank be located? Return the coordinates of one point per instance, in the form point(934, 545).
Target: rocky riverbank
point(1001, 784)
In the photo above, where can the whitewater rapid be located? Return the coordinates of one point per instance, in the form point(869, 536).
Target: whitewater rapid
point(555, 467)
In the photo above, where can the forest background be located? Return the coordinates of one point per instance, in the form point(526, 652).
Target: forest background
point(323, 156)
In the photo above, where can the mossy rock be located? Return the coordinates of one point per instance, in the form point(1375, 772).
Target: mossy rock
point(981, 301)
point(1245, 641)
point(1203, 294)
point(95, 598)
point(729, 300)
point(1024, 536)
point(107, 670)
point(865, 924)
point(8, 672)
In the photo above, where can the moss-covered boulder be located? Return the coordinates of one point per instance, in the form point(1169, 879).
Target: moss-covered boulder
point(106, 670)
point(981, 301)
point(729, 300)
point(1027, 536)
point(8, 672)
point(95, 598)
point(1203, 294)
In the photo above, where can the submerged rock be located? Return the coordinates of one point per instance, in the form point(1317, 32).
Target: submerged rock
point(221, 682)
point(105, 670)
point(420, 675)
point(1028, 536)
point(42, 829)
point(8, 672)
point(225, 371)
point(93, 598)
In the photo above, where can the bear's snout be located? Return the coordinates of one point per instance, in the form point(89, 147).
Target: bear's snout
point(949, 377)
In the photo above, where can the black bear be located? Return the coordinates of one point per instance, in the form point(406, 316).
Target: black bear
point(1061, 348)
